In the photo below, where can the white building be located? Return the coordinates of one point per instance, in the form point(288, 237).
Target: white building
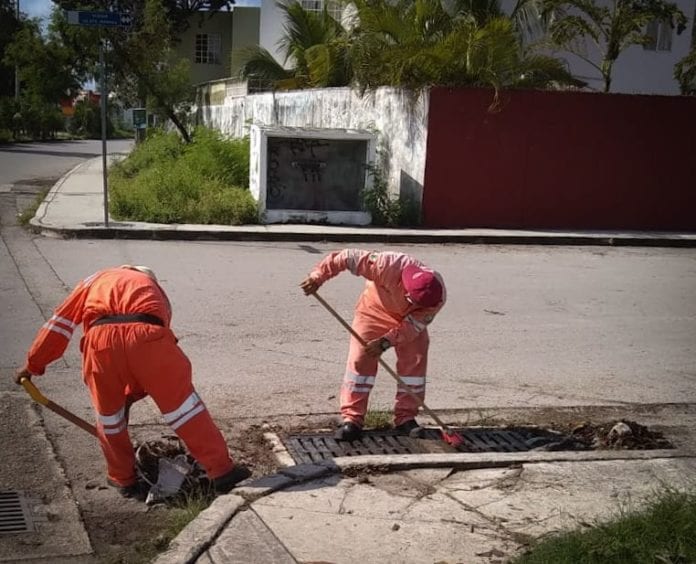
point(638, 70)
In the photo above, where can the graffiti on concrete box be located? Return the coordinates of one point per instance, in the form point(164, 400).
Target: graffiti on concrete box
point(315, 174)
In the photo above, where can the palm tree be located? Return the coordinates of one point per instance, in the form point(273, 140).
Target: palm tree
point(419, 43)
point(612, 28)
point(685, 73)
point(314, 44)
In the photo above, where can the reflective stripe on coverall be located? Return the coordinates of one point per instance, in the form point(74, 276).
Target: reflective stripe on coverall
point(131, 358)
point(382, 311)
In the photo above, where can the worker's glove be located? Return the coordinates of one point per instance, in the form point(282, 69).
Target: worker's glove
point(23, 373)
point(309, 285)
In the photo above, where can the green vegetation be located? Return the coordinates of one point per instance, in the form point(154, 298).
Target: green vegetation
point(685, 72)
point(388, 210)
point(378, 419)
point(165, 180)
point(663, 533)
point(27, 213)
point(612, 28)
point(408, 44)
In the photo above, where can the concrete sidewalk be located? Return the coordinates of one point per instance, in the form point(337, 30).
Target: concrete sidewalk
point(457, 508)
point(75, 208)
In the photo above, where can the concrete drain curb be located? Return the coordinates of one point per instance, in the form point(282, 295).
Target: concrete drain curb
point(201, 533)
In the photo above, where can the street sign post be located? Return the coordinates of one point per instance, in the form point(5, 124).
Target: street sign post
point(98, 19)
point(139, 118)
point(101, 19)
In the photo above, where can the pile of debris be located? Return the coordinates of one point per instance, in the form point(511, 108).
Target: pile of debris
point(622, 434)
point(170, 471)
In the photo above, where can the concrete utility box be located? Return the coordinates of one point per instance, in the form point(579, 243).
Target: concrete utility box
point(303, 175)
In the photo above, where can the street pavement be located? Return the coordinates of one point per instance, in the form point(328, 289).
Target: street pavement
point(447, 507)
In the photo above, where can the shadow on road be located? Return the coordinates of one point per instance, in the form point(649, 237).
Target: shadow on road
point(37, 151)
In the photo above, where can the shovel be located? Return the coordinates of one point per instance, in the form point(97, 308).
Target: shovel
point(448, 435)
point(38, 397)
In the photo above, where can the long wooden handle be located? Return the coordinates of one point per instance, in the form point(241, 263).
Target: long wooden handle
point(38, 397)
point(384, 365)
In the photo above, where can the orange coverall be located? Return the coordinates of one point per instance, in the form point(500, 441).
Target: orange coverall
point(382, 311)
point(134, 359)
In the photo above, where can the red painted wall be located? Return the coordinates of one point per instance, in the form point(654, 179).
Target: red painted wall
point(560, 160)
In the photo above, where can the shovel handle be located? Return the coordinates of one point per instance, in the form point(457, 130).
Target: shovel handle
point(384, 365)
point(38, 397)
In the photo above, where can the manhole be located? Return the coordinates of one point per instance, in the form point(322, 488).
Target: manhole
point(15, 516)
point(316, 447)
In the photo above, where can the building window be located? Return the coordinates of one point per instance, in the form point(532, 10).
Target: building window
point(659, 33)
point(208, 48)
point(332, 6)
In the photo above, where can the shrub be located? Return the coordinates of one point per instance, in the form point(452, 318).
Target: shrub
point(165, 180)
point(387, 210)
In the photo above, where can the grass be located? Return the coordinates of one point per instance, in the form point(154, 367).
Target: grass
point(378, 419)
point(174, 520)
point(27, 213)
point(662, 533)
point(167, 181)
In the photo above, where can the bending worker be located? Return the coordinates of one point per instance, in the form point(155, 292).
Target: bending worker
point(128, 352)
point(400, 299)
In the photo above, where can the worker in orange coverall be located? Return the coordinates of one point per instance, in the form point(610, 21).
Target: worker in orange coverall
point(400, 299)
point(129, 352)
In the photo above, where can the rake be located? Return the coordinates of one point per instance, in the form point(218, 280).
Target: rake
point(450, 436)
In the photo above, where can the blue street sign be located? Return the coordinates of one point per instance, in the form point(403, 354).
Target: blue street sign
point(99, 19)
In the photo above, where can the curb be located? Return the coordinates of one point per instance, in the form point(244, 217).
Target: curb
point(199, 234)
point(43, 206)
point(201, 533)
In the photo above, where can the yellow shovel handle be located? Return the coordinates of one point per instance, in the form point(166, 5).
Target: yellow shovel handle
point(33, 391)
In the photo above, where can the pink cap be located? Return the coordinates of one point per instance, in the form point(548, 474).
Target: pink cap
point(421, 286)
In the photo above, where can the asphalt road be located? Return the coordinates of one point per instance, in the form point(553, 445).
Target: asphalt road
point(26, 162)
point(524, 326)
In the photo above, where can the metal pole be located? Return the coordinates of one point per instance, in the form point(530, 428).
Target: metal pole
point(17, 66)
point(103, 129)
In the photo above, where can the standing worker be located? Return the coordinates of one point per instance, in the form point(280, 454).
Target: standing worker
point(128, 352)
point(400, 299)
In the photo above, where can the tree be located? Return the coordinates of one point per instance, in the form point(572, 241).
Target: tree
point(314, 44)
point(685, 73)
point(141, 59)
point(9, 26)
point(416, 43)
point(612, 28)
point(408, 44)
point(47, 68)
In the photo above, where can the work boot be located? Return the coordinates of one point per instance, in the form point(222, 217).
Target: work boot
point(226, 482)
point(348, 431)
point(410, 428)
point(137, 491)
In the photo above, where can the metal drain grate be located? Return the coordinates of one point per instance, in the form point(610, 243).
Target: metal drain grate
point(15, 516)
point(313, 448)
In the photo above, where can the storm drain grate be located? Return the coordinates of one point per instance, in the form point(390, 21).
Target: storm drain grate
point(316, 447)
point(15, 516)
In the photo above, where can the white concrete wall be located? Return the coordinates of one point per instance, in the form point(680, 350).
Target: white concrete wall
point(399, 122)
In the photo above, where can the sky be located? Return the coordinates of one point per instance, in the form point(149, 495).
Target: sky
point(36, 8)
point(42, 8)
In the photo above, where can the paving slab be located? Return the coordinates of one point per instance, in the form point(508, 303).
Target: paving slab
point(312, 536)
point(541, 498)
point(247, 540)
